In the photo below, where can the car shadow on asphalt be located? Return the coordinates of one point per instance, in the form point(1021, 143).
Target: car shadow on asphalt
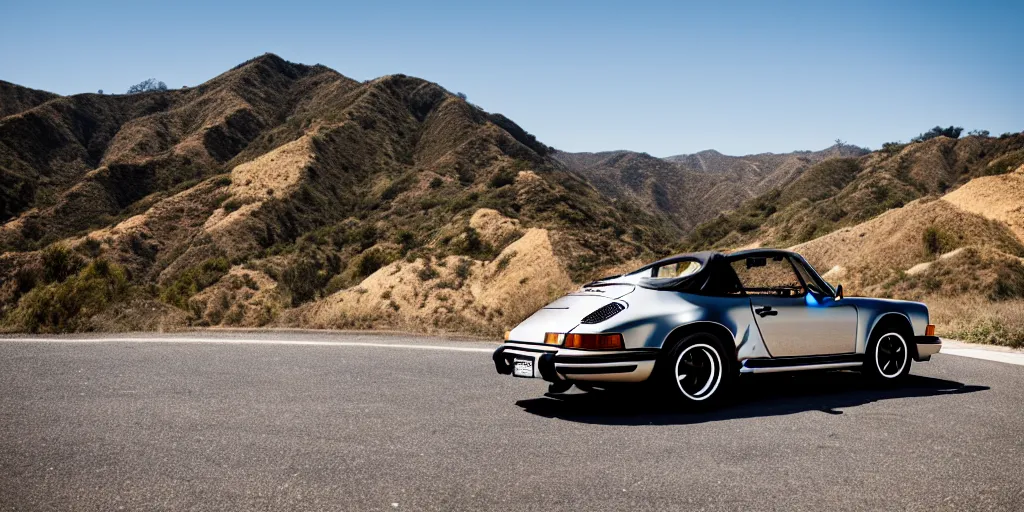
point(753, 396)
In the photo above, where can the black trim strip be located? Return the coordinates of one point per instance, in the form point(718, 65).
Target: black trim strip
point(591, 370)
point(927, 340)
point(802, 360)
point(531, 349)
point(620, 357)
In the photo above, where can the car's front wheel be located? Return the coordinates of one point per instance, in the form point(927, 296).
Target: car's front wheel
point(695, 371)
point(888, 357)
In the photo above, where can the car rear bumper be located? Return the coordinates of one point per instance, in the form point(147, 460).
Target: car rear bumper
point(926, 347)
point(555, 364)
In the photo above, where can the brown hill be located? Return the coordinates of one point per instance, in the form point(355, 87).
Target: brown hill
point(938, 221)
point(846, 191)
point(692, 189)
point(285, 194)
point(964, 259)
point(15, 98)
point(248, 199)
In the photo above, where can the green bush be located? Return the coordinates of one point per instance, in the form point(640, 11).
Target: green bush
point(60, 263)
point(893, 147)
point(68, 305)
point(952, 132)
point(365, 236)
point(1006, 163)
point(437, 182)
point(90, 247)
point(231, 205)
point(937, 242)
point(372, 260)
point(303, 279)
point(396, 187)
point(505, 260)
point(427, 272)
point(470, 244)
point(1009, 283)
point(194, 280)
point(502, 178)
point(407, 240)
point(463, 269)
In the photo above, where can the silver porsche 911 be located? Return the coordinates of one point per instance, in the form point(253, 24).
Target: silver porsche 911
point(691, 323)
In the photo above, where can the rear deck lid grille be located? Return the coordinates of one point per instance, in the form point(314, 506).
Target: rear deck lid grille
point(603, 313)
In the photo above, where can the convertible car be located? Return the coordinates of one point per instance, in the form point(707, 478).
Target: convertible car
point(692, 323)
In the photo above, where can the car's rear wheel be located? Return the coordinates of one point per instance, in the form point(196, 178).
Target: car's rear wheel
point(695, 371)
point(888, 356)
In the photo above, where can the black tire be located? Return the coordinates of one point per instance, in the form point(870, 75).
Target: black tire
point(696, 372)
point(888, 357)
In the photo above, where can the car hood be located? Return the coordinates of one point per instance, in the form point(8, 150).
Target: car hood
point(565, 313)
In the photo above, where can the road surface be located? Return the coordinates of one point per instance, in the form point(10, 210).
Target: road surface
point(317, 421)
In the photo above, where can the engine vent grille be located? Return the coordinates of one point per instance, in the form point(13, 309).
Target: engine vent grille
point(603, 313)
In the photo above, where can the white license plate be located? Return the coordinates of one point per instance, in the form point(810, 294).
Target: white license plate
point(522, 367)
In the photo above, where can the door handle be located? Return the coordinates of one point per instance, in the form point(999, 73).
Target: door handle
point(766, 311)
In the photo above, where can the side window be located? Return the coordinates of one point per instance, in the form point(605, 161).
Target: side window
point(677, 269)
point(772, 276)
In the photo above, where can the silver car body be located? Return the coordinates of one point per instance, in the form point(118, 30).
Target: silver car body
point(814, 331)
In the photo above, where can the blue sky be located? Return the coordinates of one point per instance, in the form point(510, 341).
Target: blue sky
point(660, 77)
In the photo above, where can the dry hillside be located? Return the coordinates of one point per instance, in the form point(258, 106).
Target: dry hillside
point(692, 189)
point(843, 192)
point(289, 195)
point(939, 221)
point(15, 98)
point(962, 253)
point(284, 194)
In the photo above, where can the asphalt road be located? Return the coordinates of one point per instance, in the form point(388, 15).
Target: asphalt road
point(240, 426)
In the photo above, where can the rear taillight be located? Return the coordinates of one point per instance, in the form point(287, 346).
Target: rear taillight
point(930, 330)
point(594, 341)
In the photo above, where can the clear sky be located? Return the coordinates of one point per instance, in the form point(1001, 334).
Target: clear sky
point(660, 77)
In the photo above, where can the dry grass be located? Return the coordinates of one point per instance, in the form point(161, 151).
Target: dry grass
point(977, 320)
point(242, 298)
point(883, 248)
point(392, 203)
point(455, 293)
point(999, 198)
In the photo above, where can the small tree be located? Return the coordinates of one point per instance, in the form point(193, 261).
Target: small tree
point(147, 85)
point(979, 133)
point(952, 132)
point(893, 147)
point(462, 96)
point(100, 91)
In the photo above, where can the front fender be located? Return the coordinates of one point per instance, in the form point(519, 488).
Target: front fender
point(871, 312)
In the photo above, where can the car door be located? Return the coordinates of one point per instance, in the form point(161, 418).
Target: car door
point(794, 322)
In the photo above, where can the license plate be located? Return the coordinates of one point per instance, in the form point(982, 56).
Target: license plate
point(522, 367)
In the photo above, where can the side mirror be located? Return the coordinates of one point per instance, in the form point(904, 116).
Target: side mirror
point(839, 292)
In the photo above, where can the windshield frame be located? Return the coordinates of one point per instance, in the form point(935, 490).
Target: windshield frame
point(800, 263)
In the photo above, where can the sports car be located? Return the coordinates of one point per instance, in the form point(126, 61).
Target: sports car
point(691, 323)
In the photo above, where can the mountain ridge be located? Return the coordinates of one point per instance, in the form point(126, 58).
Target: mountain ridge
point(290, 175)
point(290, 195)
